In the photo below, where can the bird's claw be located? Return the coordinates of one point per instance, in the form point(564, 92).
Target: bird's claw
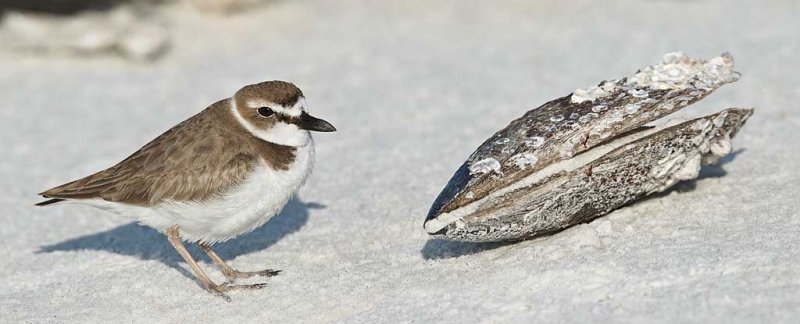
point(220, 290)
point(236, 274)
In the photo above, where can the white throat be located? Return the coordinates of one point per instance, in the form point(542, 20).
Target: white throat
point(280, 133)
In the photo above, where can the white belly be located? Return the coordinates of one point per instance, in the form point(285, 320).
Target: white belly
point(245, 208)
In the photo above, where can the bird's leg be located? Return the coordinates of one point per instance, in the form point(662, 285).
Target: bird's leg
point(175, 239)
point(232, 273)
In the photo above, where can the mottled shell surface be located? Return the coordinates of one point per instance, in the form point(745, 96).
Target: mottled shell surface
point(583, 155)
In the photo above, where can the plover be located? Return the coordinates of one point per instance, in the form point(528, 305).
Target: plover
point(221, 173)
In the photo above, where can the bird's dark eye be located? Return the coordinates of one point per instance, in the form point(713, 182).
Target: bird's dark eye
point(265, 112)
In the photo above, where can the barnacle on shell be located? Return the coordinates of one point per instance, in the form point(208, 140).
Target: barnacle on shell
point(583, 155)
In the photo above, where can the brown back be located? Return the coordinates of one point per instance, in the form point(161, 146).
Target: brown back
point(201, 158)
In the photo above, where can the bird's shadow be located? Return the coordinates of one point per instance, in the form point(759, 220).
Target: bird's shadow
point(442, 249)
point(148, 244)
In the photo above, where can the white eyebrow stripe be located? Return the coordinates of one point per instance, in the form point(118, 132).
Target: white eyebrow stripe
point(293, 111)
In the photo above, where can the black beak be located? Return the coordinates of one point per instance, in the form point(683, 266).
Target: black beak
point(312, 123)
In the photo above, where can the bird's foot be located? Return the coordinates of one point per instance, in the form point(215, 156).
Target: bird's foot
point(220, 290)
point(236, 274)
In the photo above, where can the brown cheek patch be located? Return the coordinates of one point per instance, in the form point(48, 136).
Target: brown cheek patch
point(252, 117)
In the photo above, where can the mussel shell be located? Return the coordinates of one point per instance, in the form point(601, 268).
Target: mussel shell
point(626, 173)
point(562, 129)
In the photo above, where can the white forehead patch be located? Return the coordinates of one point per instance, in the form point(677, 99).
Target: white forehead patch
point(294, 110)
point(280, 133)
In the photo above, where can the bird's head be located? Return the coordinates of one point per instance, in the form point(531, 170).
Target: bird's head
point(275, 111)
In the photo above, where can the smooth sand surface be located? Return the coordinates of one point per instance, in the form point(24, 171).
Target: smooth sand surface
point(413, 87)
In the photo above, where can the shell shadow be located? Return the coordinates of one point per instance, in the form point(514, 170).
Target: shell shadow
point(706, 172)
point(442, 249)
point(148, 244)
point(436, 249)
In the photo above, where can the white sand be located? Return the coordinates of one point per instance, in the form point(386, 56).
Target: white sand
point(413, 88)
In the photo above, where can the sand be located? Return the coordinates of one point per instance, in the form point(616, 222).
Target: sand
point(413, 87)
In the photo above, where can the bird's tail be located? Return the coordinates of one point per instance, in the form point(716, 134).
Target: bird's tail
point(50, 202)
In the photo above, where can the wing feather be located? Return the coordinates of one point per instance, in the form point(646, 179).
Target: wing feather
point(193, 161)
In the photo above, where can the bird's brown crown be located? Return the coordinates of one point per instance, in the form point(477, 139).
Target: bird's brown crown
point(279, 92)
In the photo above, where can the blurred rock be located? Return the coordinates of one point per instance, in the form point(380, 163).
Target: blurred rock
point(223, 6)
point(66, 7)
point(57, 6)
point(137, 35)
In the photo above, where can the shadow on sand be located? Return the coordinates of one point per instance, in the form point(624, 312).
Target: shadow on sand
point(436, 249)
point(148, 244)
point(706, 172)
point(443, 249)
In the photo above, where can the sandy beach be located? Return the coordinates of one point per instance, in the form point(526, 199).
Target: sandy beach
point(413, 87)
